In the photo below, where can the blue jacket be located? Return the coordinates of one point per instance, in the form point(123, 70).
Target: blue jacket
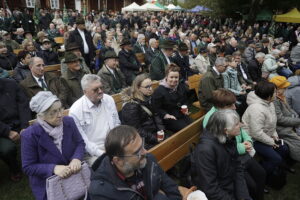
point(40, 155)
point(106, 185)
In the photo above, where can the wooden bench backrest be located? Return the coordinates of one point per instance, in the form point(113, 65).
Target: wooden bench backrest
point(65, 113)
point(118, 101)
point(59, 40)
point(194, 81)
point(173, 149)
point(155, 84)
point(53, 68)
point(16, 51)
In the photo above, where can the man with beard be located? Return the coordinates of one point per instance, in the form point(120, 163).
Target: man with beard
point(128, 172)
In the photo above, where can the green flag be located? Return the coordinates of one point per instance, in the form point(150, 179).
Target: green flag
point(36, 13)
point(65, 18)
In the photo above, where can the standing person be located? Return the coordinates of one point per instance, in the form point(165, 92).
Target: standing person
point(14, 117)
point(95, 114)
point(216, 167)
point(51, 146)
point(138, 110)
point(83, 38)
point(129, 64)
point(168, 99)
point(128, 172)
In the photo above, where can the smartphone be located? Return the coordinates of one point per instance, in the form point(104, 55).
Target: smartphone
point(279, 142)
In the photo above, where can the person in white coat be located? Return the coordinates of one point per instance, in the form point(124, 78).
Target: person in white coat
point(95, 114)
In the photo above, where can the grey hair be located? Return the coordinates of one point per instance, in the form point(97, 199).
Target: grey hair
point(260, 55)
point(33, 59)
point(220, 61)
point(221, 120)
point(284, 48)
point(88, 79)
point(275, 52)
point(152, 40)
point(140, 36)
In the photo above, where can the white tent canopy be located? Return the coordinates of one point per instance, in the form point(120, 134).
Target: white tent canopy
point(132, 8)
point(151, 7)
point(171, 7)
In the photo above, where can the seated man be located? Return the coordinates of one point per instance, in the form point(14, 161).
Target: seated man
point(39, 80)
point(151, 51)
point(8, 60)
point(14, 117)
point(47, 54)
point(95, 114)
point(10, 43)
point(140, 45)
point(212, 80)
point(112, 78)
point(73, 77)
point(128, 172)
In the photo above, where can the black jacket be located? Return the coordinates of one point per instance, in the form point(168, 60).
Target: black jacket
point(241, 78)
point(49, 57)
point(254, 69)
point(183, 63)
point(129, 65)
point(217, 171)
point(20, 72)
point(8, 61)
point(147, 125)
point(150, 54)
point(167, 101)
point(106, 185)
point(229, 50)
point(14, 109)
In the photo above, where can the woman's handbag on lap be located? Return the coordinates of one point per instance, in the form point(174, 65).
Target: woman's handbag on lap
point(71, 188)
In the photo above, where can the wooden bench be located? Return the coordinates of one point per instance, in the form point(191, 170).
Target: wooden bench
point(16, 51)
point(176, 147)
point(53, 68)
point(59, 40)
point(194, 83)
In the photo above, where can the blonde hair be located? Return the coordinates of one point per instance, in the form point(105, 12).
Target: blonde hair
point(136, 84)
point(297, 72)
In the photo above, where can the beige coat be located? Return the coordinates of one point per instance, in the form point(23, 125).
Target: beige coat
point(260, 119)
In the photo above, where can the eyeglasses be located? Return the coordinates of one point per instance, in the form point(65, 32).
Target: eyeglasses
point(147, 87)
point(138, 153)
point(54, 113)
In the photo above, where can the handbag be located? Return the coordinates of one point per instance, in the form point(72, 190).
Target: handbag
point(71, 188)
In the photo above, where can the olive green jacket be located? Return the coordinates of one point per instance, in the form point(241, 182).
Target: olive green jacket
point(158, 66)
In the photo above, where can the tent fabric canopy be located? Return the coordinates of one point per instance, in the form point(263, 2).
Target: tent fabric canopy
point(171, 7)
point(151, 7)
point(292, 17)
point(198, 9)
point(132, 8)
point(161, 6)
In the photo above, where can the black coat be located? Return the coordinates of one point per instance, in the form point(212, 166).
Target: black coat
point(183, 63)
point(44, 22)
point(28, 23)
point(229, 50)
point(20, 72)
point(217, 170)
point(147, 125)
point(49, 57)
point(242, 80)
point(254, 69)
point(14, 109)
point(129, 65)
point(167, 101)
point(106, 184)
point(75, 37)
point(150, 54)
point(8, 61)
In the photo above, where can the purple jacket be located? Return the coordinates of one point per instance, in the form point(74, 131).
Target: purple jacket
point(40, 155)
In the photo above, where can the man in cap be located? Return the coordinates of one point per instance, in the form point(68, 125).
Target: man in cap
point(74, 48)
point(129, 64)
point(95, 114)
point(39, 80)
point(47, 54)
point(73, 76)
point(112, 78)
point(10, 44)
point(84, 40)
point(161, 60)
point(40, 37)
point(181, 58)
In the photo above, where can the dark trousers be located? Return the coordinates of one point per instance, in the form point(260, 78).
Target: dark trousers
point(177, 125)
point(87, 59)
point(8, 153)
point(272, 158)
point(255, 177)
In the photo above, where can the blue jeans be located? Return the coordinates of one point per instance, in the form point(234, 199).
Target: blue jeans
point(284, 71)
point(272, 158)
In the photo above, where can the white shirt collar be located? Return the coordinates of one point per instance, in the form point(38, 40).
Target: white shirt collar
point(90, 104)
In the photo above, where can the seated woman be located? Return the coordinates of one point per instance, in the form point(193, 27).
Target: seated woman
point(255, 175)
point(51, 146)
point(138, 110)
point(287, 119)
point(29, 46)
point(260, 122)
point(216, 169)
point(292, 93)
point(168, 99)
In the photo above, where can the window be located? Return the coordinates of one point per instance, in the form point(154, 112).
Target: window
point(54, 4)
point(30, 3)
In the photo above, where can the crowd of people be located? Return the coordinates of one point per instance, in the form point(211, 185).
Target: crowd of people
point(249, 89)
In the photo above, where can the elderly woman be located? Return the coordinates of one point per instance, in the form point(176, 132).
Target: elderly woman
point(53, 145)
point(287, 119)
point(255, 175)
point(260, 122)
point(138, 110)
point(168, 99)
point(216, 168)
point(270, 64)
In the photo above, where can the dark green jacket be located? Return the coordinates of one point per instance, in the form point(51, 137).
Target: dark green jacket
point(72, 80)
point(158, 66)
point(137, 48)
point(112, 84)
point(211, 81)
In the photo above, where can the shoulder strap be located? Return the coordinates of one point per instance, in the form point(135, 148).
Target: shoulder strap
point(144, 108)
